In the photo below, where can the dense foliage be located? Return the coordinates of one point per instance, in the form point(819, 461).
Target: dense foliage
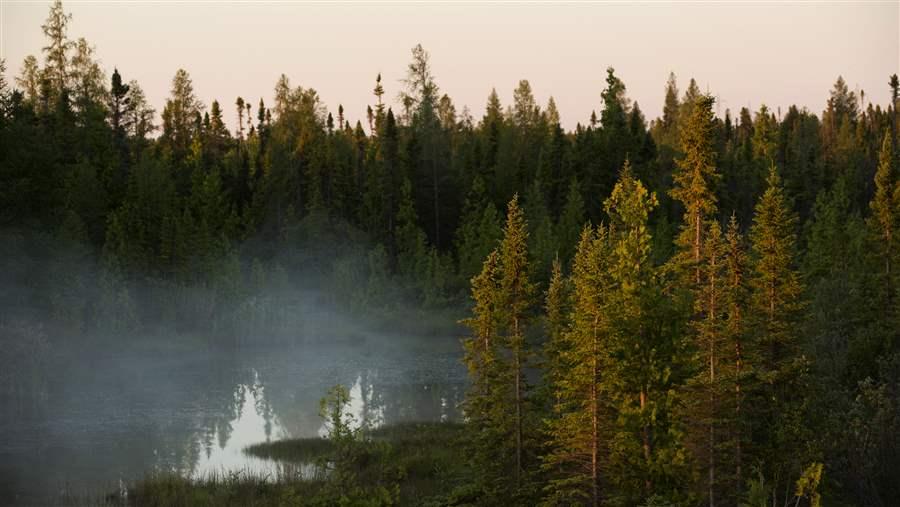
point(694, 309)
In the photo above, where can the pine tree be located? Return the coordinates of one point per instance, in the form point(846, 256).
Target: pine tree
point(542, 243)
point(709, 330)
point(775, 305)
point(646, 360)
point(29, 79)
point(487, 404)
point(571, 221)
point(379, 107)
point(670, 111)
point(88, 81)
point(479, 230)
point(119, 107)
point(422, 91)
point(178, 116)
point(694, 182)
point(58, 46)
point(217, 135)
point(504, 297)
point(118, 104)
point(574, 460)
point(141, 117)
point(516, 300)
point(239, 104)
point(885, 206)
point(734, 301)
point(556, 317)
point(688, 101)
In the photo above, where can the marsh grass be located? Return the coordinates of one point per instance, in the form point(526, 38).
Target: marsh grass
point(403, 464)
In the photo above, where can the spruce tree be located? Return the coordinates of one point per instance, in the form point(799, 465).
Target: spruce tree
point(574, 461)
point(709, 332)
point(700, 266)
point(885, 206)
point(775, 305)
point(645, 362)
point(479, 230)
point(487, 404)
point(29, 80)
point(571, 222)
point(734, 302)
point(671, 105)
point(179, 115)
point(556, 317)
point(118, 106)
point(57, 48)
point(694, 182)
point(516, 300)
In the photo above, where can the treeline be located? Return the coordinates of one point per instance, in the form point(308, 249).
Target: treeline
point(726, 321)
point(758, 364)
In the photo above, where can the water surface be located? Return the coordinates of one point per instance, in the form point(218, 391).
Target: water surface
point(107, 416)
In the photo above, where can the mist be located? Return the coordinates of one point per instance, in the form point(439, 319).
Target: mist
point(106, 377)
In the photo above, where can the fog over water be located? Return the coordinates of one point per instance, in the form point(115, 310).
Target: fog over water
point(106, 415)
point(106, 382)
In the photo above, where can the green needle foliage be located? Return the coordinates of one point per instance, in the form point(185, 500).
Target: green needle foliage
point(700, 308)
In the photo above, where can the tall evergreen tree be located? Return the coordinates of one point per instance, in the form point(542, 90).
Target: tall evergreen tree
point(574, 430)
point(734, 302)
point(58, 45)
point(487, 404)
point(178, 116)
point(29, 79)
point(694, 182)
point(775, 304)
point(885, 206)
point(517, 300)
point(479, 230)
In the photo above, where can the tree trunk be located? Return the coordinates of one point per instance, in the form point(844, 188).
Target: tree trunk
point(737, 419)
point(518, 376)
point(645, 437)
point(437, 221)
point(697, 223)
point(595, 424)
point(712, 386)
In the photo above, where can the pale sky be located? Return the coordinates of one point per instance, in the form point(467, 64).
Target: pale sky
point(745, 53)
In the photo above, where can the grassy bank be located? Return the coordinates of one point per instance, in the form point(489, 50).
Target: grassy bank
point(405, 464)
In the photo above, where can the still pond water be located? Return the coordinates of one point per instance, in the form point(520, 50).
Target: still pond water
point(106, 417)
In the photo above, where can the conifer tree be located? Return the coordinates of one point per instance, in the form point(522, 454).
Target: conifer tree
point(479, 230)
point(239, 104)
point(885, 206)
point(709, 329)
point(695, 180)
point(516, 300)
point(29, 79)
point(88, 81)
point(646, 355)
point(734, 303)
point(179, 116)
point(58, 46)
point(574, 459)
point(542, 243)
point(486, 404)
point(119, 105)
point(379, 107)
point(556, 317)
point(141, 115)
point(670, 111)
point(571, 221)
point(775, 304)
point(422, 91)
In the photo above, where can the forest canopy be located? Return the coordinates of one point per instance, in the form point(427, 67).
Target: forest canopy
point(694, 308)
